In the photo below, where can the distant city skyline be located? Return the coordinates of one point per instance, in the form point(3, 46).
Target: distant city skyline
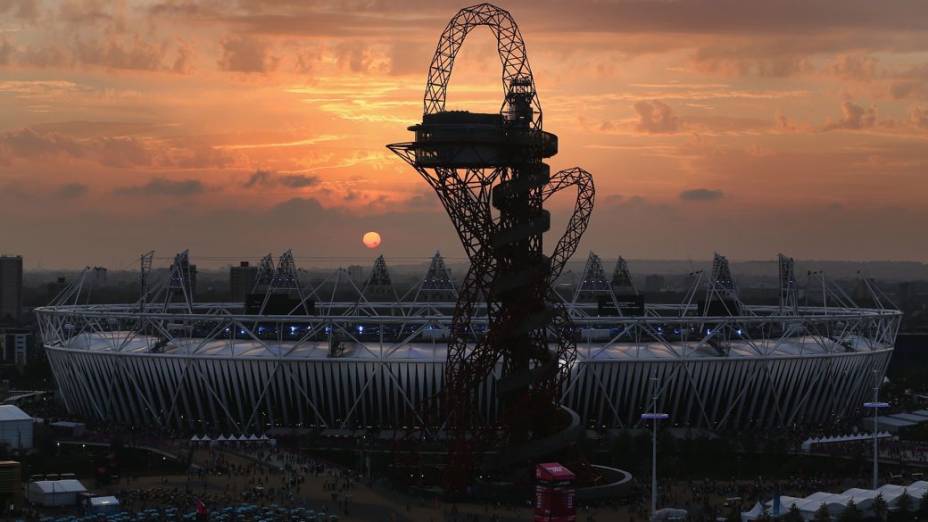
point(241, 128)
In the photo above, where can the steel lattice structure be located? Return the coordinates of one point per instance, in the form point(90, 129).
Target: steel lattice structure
point(488, 171)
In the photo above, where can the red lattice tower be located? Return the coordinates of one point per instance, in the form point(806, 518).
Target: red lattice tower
point(488, 171)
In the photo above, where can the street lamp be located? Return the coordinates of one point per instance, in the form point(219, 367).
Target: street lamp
point(876, 406)
point(654, 416)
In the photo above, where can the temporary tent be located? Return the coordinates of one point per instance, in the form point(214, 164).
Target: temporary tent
point(55, 492)
point(756, 512)
point(808, 443)
point(15, 427)
point(103, 505)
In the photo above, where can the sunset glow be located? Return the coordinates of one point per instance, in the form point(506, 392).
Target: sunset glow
point(252, 126)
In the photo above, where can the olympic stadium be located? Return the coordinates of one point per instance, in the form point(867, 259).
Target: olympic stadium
point(300, 354)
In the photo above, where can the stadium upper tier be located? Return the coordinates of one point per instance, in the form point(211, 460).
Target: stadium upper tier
point(418, 331)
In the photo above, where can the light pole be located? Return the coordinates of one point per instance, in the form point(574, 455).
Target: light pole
point(654, 416)
point(876, 406)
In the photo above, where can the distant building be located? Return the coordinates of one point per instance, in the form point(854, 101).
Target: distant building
point(11, 289)
point(242, 280)
point(55, 288)
point(356, 273)
point(11, 486)
point(654, 283)
point(15, 346)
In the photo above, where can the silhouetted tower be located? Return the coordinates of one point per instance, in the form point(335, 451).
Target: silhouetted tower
point(145, 262)
point(181, 282)
point(789, 296)
point(593, 284)
point(437, 285)
point(284, 293)
point(622, 279)
point(721, 295)
point(265, 274)
point(379, 287)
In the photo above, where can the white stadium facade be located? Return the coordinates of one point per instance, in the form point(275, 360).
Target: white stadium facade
point(298, 356)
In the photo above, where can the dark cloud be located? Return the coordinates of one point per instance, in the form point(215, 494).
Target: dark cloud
point(298, 181)
point(857, 67)
point(130, 54)
point(919, 117)
point(124, 152)
point(375, 17)
point(164, 187)
point(28, 143)
point(246, 54)
point(6, 51)
point(71, 190)
point(23, 9)
point(268, 178)
point(48, 56)
point(750, 61)
point(854, 117)
point(656, 117)
point(115, 151)
point(613, 199)
point(182, 62)
point(701, 194)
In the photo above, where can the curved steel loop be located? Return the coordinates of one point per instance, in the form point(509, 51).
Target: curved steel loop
point(510, 45)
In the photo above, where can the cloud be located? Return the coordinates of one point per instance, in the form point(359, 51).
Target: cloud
point(246, 54)
point(23, 9)
point(298, 181)
point(854, 117)
point(6, 51)
point(28, 143)
point(110, 151)
point(182, 62)
point(613, 199)
point(701, 194)
point(857, 67)
point(164, 187)
point(919, 117)
point(71, 190)
point(134, 54)
point(267, 178)
point(124, 152)
point(656, 117)
point(735, 61)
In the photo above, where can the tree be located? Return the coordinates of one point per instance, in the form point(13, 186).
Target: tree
point(880, 509)
point(793, 515)
point(904, 511)
point(851, 513)
point(822, 514)
point(923, 507)
point(734, 514)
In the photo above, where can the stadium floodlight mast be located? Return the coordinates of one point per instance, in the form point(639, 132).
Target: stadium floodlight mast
point(876, 406)
point(654, 416)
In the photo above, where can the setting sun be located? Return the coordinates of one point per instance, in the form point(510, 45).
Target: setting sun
point(371, 239)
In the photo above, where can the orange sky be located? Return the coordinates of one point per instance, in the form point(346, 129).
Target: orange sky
point(236, 128)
